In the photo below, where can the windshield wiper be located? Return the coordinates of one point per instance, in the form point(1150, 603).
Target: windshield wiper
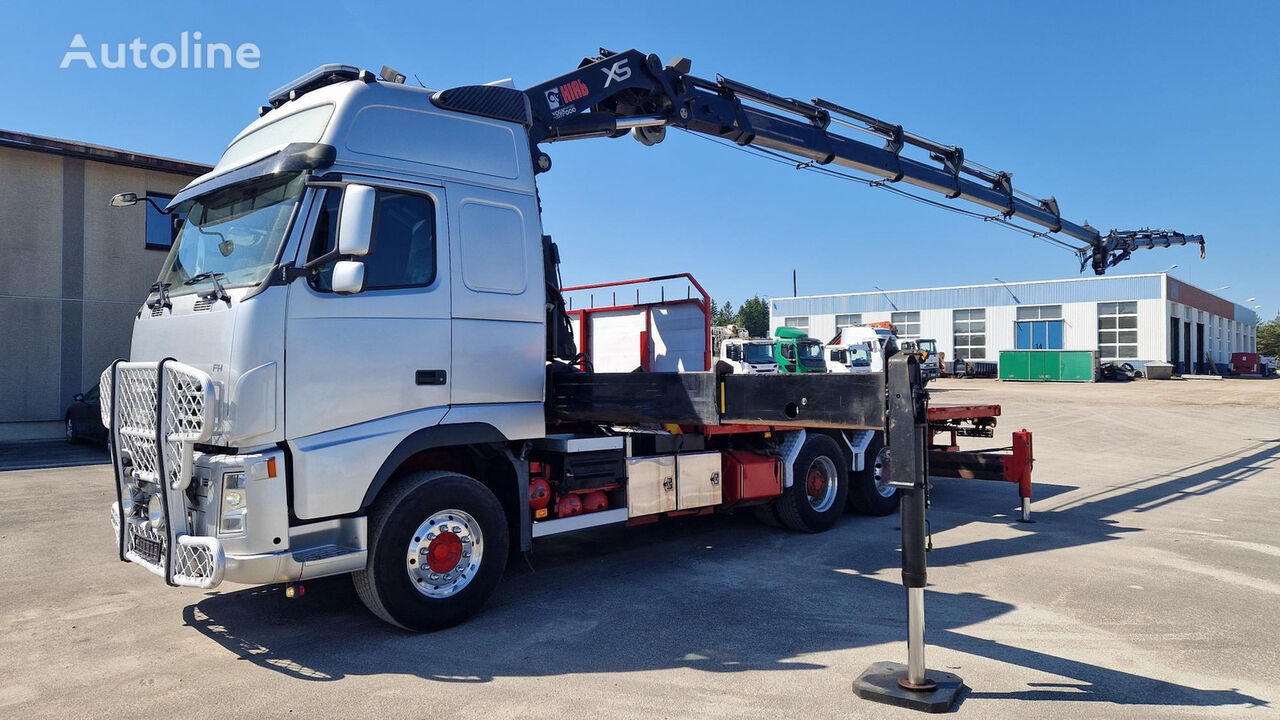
point(217, 291)
point(161, 291)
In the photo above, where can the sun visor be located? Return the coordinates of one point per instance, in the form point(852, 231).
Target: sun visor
point(296, 157)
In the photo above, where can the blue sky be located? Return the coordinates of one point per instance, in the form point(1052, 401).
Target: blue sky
point(1132, 114)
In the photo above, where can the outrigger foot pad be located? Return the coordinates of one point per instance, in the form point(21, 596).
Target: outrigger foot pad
point(882, 683)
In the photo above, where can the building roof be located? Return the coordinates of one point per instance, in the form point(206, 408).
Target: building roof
point(1110, 288)
point(99, 153)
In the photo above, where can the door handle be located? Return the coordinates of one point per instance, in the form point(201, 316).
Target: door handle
point(430, 377)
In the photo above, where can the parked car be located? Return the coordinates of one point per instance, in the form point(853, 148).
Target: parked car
point(84, 419)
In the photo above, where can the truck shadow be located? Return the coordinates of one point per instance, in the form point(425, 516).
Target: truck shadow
point(1088, 519)
point(716, 594)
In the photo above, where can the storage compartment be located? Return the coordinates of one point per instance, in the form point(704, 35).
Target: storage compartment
point(698, 480)
point(748, 476)
point(584, 470)
point(651, 485)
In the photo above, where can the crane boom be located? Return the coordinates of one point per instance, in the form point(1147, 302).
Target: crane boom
point(616, 93)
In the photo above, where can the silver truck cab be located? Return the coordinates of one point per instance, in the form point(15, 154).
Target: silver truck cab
point(366, 245)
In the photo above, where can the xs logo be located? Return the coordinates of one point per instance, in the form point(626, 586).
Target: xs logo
point(553, 98)
point(618, 72)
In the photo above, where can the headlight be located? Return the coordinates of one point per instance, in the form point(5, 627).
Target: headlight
point(155, 512)
point(233, 507)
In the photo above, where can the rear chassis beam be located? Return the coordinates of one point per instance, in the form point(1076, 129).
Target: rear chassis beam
point(946, 459)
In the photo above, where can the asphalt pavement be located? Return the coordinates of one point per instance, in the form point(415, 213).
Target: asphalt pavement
point(1148, 586)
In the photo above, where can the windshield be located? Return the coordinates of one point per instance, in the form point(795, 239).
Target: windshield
point(234, 233)
point(810, 350)
point(756, 353)
point(929, 346)
point(859, 356)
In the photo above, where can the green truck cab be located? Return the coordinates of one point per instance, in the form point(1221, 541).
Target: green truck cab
point(797, 353)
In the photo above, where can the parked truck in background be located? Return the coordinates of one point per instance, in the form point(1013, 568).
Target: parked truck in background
point(796, 353)
point(749, 355)
point(357, 357)
point(857, 349)
point(927, 348)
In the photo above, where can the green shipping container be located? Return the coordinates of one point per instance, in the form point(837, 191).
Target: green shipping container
point(1048, 365)
point(1015, 365)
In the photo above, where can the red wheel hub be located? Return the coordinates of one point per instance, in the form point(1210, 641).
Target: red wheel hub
point(816, 483)
point(444, 552)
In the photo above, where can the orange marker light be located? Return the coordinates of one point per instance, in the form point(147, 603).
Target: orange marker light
point(271, 467)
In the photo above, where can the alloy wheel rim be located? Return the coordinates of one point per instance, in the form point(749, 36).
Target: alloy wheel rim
point(444, 553)
point(821, 483)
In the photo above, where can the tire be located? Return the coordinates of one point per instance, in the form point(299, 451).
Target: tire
point(814, 503)
point(396, 584)
point(868, 494)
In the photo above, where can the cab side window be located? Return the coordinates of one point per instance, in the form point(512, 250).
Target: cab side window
point(403, 252)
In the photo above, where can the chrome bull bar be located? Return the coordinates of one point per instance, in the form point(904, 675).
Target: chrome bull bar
point(157, 412)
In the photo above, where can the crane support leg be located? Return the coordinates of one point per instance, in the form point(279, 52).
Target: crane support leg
point(911, 685)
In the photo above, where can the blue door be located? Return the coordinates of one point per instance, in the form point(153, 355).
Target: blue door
point(1038, 335)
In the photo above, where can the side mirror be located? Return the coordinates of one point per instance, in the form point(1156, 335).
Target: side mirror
point(355, 220)
point(124, 199)
point(348, 277)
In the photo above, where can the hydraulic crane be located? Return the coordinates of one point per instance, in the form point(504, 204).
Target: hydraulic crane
point(616, 93)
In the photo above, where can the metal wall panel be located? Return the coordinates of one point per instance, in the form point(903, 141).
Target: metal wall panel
point(1052, 292)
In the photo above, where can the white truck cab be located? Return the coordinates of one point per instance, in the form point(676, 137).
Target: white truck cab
point(749, 356)
point(860, 349)
point(855, 357)
point(379, 243)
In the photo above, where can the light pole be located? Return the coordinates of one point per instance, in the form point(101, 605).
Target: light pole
point(1007, 289)
point(886, 296)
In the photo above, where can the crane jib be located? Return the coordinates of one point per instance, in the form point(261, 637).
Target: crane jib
point(609, 94)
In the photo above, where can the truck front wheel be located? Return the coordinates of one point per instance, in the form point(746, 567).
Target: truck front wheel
point(819, 485)
point(437, 549)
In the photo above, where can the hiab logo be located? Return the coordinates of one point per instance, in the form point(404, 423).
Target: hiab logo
point(567, 93)
point(575, 90)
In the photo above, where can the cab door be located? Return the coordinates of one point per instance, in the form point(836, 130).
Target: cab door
point(382, 352)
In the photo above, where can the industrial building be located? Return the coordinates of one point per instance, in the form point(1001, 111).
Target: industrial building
point(1130, 318)
point(75, 270)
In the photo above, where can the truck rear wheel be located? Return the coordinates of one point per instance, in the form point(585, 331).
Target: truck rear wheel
point(816, 498)
point(871, 493)
point(437, 549)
